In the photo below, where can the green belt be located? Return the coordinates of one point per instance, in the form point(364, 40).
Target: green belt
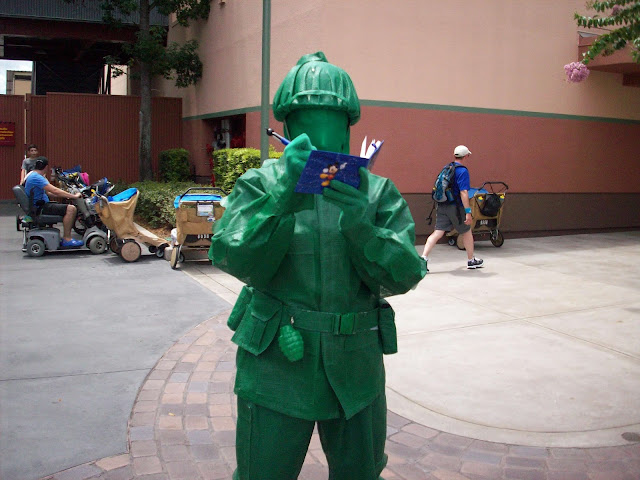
point(336, 323)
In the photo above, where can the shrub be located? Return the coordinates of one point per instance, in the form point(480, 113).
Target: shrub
point(230, 163)
point(155, 202)
point(174, 165)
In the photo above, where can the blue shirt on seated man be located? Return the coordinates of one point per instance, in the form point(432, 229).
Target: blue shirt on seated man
point(36, 182)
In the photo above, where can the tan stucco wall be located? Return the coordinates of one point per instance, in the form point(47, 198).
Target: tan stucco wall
point(434, 74)
point(504, 54)
point(495, 54)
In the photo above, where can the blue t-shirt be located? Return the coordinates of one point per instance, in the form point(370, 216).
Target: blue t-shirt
point(462, 182)
point(36, 182)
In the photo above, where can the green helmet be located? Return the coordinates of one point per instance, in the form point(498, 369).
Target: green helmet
point(316, 83)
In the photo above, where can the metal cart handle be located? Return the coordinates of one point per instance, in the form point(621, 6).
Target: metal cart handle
point(205, 189)
point(506, 187)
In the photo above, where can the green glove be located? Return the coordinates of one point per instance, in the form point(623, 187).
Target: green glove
point(291, 343)
point(353, 202)
point(295, 157)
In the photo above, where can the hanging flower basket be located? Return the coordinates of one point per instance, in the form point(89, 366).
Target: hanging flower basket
point(576, 72)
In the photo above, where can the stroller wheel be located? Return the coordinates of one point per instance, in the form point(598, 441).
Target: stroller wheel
point(175, 255)
point(497, 239)
point(160, 251)
point(114, 245)
point(130, 251)
point(452, 241)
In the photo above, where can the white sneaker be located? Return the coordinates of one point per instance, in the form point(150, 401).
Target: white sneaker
point(475, 263)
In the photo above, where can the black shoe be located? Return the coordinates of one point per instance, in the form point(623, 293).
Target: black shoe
point(475, 263)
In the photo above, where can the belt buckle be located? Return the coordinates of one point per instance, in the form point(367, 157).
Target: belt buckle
point(344, 324)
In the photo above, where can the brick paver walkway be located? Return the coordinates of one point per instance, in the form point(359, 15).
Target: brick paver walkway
point(182, 427)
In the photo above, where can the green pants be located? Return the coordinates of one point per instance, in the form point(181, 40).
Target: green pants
point(273, 446)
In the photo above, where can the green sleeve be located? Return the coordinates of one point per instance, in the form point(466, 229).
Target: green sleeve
point(383, 250)
point(254, 233)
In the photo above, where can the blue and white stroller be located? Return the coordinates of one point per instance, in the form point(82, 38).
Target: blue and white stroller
point(196, 211)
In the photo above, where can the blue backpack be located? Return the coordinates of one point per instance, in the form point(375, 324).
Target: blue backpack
point(443, 186)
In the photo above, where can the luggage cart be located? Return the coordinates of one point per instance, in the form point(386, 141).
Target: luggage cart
point(486, 205)
point(196, 211)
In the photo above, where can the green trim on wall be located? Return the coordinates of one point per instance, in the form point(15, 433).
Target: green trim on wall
point(225, 113)
point(448, 108)
point(492, 111)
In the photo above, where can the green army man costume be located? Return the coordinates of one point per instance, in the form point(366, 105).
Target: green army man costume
point(311, 325)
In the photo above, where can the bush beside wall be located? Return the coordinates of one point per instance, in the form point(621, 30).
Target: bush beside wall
point(230, 163)
point(174, 165)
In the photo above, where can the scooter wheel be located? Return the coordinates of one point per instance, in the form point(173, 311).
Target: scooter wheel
point(97, 245)
point(130, 251)
point(35, 247)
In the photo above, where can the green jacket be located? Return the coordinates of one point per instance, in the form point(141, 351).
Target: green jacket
point(297, 264)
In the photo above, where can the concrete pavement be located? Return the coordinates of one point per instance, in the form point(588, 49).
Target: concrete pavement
point(540, 348)
point(525, 369)
point(78, 335)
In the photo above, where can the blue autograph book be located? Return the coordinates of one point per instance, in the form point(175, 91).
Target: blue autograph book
point(322, 167)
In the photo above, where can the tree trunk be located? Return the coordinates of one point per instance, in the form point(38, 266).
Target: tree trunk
point(144, 149)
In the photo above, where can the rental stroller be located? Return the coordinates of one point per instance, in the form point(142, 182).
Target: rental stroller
point(196, 210)
point(486, 210)
point(125, 238)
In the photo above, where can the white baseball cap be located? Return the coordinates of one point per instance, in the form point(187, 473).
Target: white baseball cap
point(461, 151)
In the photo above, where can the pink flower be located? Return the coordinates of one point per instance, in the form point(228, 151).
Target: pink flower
point(576, 72)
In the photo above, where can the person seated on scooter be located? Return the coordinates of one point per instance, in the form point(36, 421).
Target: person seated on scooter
point(38, 183)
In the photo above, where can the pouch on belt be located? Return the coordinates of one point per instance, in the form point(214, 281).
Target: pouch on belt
point(256, 318)
point(387, 328)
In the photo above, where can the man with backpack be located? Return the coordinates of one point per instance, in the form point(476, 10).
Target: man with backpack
point(451, 194)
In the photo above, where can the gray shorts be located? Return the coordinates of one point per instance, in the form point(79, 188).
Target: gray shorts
point(447, 218)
